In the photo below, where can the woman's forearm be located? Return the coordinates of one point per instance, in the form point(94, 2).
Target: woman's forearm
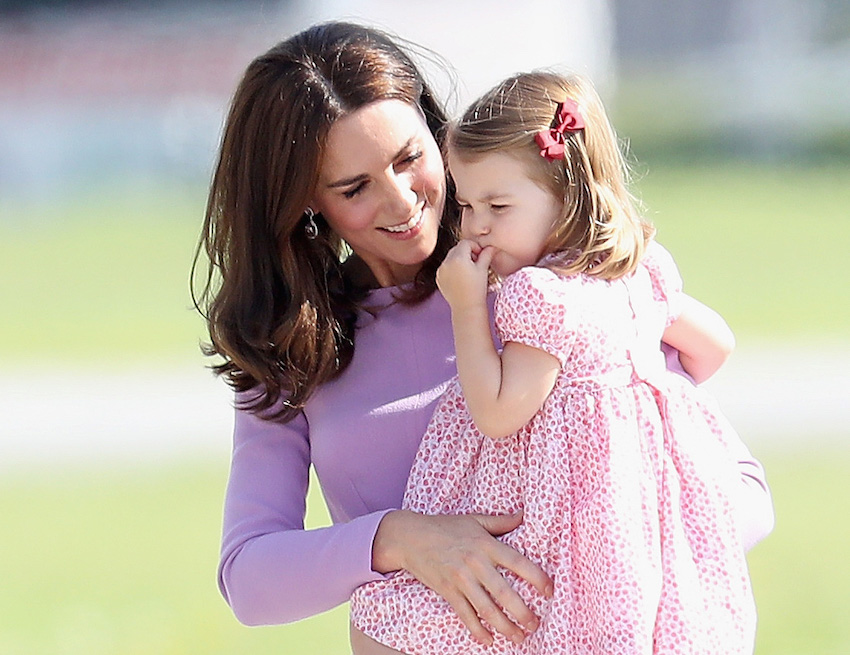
point(286, 576)
point(272, 570)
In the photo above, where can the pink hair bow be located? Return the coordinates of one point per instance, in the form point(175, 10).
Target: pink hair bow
point(552, 141)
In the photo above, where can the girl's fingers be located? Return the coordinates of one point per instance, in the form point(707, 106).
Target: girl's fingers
point(485, 256)
point(467, 249)
point(474, 248)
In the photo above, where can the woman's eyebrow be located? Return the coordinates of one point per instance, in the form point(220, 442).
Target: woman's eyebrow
point(362, 176)
point(348, 181)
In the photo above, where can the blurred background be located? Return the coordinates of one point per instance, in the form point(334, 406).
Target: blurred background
point(114, 437)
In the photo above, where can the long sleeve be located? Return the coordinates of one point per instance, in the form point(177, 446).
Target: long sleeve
point(359, 432)
point(754, 503)
point(272, 570)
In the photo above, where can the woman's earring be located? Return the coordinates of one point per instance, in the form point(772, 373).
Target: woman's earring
point(310, 229)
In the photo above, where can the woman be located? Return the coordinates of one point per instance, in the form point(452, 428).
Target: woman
point(332, 147)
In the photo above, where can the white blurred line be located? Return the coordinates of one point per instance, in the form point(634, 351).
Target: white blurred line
point(787, 397)
point(57, 416)
point(775, 397)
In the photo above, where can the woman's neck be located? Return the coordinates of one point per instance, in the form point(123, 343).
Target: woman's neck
point(363, 276)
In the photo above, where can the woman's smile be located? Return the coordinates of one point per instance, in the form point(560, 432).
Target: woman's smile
point(382, 188)
point(406, 229)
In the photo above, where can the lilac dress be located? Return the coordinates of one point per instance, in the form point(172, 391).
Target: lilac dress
point(626, 477)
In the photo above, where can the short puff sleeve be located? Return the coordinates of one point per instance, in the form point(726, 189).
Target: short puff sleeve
point(530, 309)
point(666, 280)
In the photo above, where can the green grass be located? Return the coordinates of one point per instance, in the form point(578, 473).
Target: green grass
point(106, 276)
point(124, 562)
point(118, 563)
point(763, 245)
point(801, 573)
point(103, 278)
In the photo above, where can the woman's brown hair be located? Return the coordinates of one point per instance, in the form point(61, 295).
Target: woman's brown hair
point(279, 306)
point(601, 232)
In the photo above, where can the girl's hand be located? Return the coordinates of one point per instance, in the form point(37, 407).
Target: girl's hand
point(457, 556)
point(463, 276)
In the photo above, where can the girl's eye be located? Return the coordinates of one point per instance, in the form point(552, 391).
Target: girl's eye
point(498, 208)
point(350, 193)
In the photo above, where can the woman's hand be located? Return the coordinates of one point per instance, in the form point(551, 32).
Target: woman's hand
point(463, 276)
point(457, 556)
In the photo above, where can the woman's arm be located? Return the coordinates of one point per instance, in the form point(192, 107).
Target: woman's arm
point(754, 504)
point(702, 337)
point(502, 391)
point(272, 570)
point(753, 501)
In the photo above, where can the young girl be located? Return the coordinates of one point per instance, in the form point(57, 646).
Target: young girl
point(619, 467)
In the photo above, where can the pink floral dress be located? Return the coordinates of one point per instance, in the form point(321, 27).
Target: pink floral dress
point(622, 475)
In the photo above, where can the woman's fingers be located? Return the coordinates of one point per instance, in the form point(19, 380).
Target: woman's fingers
point(458, 557)
point(509, 558)
point(498, 525)
point(487, 609)
point(498, 603)
point(525, 569)
point(469, 617)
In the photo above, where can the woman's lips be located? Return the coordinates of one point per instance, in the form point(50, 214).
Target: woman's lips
point(403, 229)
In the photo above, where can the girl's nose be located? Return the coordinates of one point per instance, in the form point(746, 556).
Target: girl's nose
point(473, 224)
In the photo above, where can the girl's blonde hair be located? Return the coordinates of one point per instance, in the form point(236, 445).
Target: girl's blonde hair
point(601, 232)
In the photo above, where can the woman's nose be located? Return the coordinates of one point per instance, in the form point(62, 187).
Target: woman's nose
point(402, 198)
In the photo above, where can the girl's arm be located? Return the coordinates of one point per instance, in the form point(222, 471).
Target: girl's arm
point(702, 337)
point(502, 391)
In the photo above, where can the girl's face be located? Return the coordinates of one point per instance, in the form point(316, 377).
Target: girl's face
point(382, 188)
point(504, 208)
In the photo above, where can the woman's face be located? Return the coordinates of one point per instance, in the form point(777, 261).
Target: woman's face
point(382, 188)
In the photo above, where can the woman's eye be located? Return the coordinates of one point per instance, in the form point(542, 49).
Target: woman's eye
point(350, 193)
point(412, 157)
point(498, 208)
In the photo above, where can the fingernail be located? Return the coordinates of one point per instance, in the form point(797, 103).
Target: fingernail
point(550, 590)
point(518, 638)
